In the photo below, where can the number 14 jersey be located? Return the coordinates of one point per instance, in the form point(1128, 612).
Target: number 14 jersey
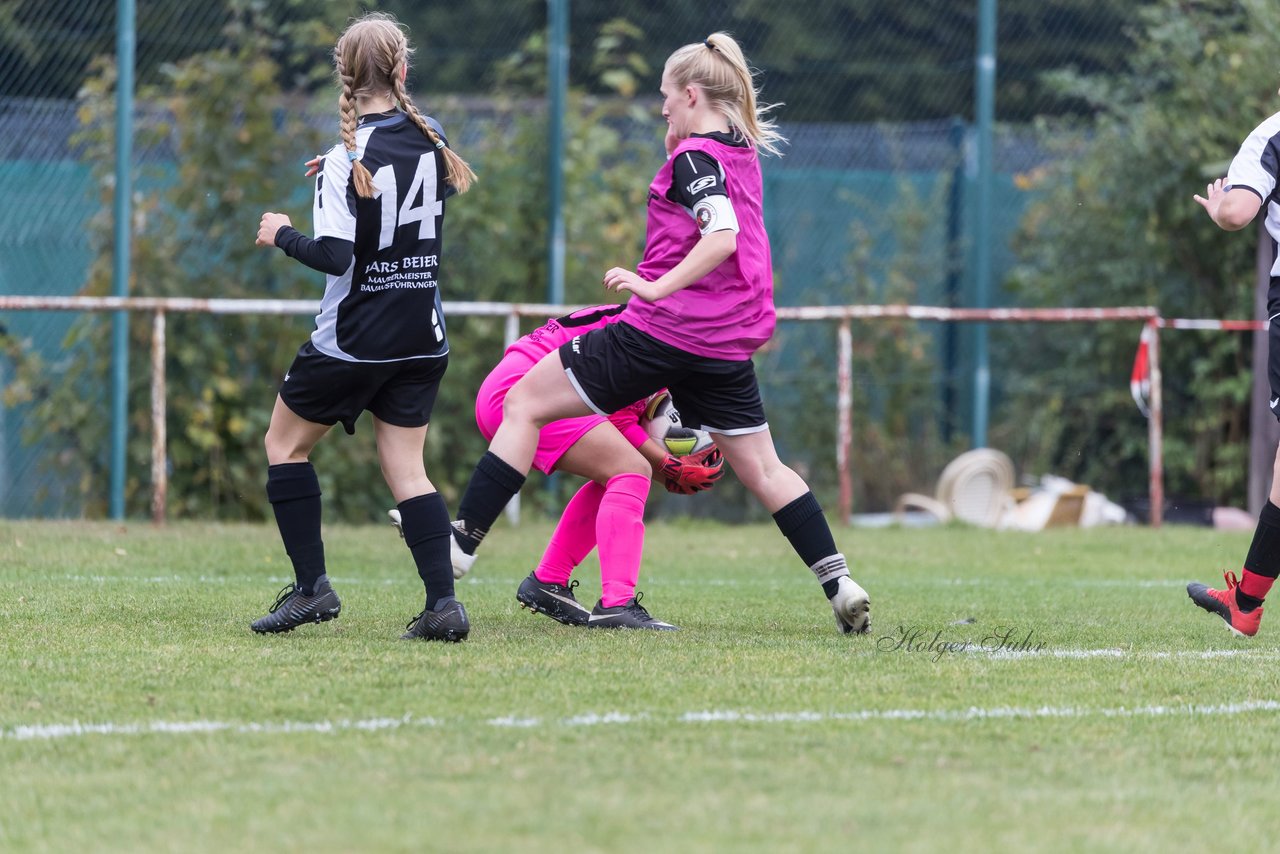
point(386, 307)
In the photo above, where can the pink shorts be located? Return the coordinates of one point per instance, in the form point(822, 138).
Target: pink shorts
point(555, 439)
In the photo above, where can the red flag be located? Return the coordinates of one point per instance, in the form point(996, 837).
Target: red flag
point(1140, 379)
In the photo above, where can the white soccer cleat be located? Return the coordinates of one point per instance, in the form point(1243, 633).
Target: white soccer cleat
point(462, 562)
point(852, 608)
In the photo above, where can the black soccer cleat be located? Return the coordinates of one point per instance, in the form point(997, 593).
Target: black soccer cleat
point(450, 624)
point(294, 608)
point(554, 600)
point(630, 615)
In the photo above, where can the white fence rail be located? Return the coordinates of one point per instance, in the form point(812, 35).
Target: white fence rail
point(843, 315)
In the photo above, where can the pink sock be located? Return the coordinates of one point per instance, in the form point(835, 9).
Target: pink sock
point(574, 536)
point(620, 533)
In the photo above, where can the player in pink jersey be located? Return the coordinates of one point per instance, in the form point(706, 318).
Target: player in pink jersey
point(701, 305)
point(617, 457)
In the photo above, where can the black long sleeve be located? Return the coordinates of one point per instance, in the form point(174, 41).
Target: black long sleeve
point(330, 255)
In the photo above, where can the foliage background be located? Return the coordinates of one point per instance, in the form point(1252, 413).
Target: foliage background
point(1110, 115)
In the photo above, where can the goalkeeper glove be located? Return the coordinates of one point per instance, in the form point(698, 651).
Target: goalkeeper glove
point(693, 472)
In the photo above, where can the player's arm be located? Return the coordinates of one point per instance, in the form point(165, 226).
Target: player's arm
point(709, 252)
point(655, 455)
point(1231, 208)
point(330, 255)
point(332, 250)
point(627, 422)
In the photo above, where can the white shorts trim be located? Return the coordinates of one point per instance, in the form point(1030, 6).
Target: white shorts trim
point(573, 381)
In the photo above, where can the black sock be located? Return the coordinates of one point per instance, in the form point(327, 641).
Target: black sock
point(425, 521)
point(492, 485)
point(1264, 553)
point(294, 492)
point(804, 525)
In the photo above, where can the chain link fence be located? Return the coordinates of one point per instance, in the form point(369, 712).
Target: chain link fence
point(872, 202)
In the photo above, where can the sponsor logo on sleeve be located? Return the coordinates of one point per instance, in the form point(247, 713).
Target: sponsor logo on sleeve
point(701, 184)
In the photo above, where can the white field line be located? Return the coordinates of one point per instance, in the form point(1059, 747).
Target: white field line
point(50, 732)
point(177, 578)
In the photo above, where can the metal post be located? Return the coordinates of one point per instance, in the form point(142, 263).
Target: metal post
point(159, 431)
point(985, 117)
point(123, 213)
point(557, 88)
point(952, 280)
point(1155, 427)
point(844, 408)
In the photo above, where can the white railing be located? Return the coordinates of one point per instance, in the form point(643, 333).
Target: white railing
point(843, 315)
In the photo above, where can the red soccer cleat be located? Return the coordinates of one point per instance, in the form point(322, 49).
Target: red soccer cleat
point(1224, 604)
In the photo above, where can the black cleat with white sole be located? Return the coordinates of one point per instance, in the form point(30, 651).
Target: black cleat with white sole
point(629, 615)
point(555, 600)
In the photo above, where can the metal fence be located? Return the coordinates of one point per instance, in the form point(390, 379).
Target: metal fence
point(873, 202)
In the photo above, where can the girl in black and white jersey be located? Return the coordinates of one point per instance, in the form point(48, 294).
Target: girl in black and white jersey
point(380, 342)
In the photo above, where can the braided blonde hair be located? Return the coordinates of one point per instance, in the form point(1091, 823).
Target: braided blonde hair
point(718, 66)
point(370, 59)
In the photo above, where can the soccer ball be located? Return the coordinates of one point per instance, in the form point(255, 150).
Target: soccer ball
point(661, 420)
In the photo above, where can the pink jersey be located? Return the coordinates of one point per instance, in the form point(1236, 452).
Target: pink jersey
point(727, 314)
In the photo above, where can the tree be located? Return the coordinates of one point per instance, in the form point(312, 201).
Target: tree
point(1116, 225)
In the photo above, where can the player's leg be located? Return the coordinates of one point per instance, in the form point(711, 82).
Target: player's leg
point(1240, 603)
point(488, 409)
point(543, 395)
point(294, 492)
point(547, 590)
point(725, 398)
point(573, 538)
point(608, 459)
point(401, 411)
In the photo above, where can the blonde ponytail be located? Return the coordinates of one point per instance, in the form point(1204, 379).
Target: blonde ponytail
point(719, 67)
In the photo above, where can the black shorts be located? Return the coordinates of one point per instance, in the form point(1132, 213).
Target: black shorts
point(616, 365)
point(325, 390)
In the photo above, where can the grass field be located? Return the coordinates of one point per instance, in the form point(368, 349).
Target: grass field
point(137, 712)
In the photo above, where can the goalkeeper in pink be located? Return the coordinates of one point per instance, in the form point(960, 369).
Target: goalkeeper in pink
point(701, 305)
point(617, 457)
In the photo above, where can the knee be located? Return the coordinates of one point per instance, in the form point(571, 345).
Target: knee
point(636, 464)
point(271, 444)
point(280, 450)
point(519, 406)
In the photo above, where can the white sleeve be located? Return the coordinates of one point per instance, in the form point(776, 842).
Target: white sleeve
point(1258, 160)
point(332, 212)
point(715, 213)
